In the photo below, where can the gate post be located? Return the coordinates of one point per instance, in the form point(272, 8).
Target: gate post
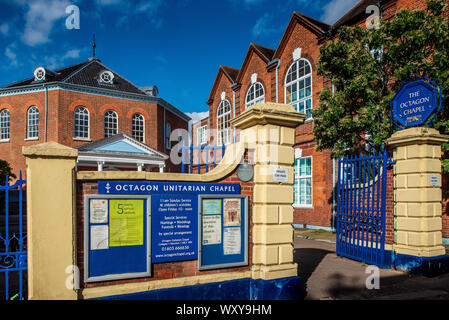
point(50, 221)
point(417, 199)
point(269, 129)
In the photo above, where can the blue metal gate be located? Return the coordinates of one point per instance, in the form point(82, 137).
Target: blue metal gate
point(361, 207)
point(13, 254)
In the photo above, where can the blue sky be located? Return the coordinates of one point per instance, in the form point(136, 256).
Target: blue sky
point(176, 45)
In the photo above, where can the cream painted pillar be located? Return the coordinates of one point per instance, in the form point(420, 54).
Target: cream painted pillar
point(269, 129)
point(417, 201)
point(50, 220)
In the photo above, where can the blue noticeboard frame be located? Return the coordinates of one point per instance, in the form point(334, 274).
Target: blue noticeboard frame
point(211, 256)
point(120, 262)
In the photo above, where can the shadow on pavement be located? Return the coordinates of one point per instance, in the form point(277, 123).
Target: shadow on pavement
point(308, 260)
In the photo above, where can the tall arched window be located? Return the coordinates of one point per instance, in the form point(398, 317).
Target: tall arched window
point(81, 121)
point(33, 122)
point(167, 136)
point(110, 123)
point(298, 86)
point(255, 94)
point(4, 124)
point(223, 123)
point(138, 127)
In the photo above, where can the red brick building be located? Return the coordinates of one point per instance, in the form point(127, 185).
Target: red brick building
point(288, 74)
point(80, 104)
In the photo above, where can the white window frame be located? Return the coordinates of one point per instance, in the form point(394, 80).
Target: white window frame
point(256, 99)
point(5, 125)
point(33, 123)
point(297, 102)
point(167, 136)
point(138, 126)
point(297, 184)
point(81, 127)
point(109, 123)
point(201, 135)
point(223, 119)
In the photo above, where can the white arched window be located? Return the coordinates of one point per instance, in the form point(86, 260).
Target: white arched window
point(4, 124)
point(81, 121)
point(255, 94)
point(167, 136)
point(33, 122)
point(224, 123)
point(138, 127)
point(110, 123)
point(298, 86)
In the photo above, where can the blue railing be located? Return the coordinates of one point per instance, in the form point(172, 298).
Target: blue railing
point(189, 151)
point(361, 207)
point(13, 254)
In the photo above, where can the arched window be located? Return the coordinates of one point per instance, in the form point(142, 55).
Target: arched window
point(110, 123)
point(81, 121)
point(167, 136)
point(255, 95)
point(4, 124)
point(223, 123)
point(33, 122)
point(298, 86)
point(138, 127)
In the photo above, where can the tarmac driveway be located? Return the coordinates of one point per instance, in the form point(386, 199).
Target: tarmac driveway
point(329, 277)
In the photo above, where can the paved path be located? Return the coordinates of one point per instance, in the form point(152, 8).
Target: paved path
point(329, 277)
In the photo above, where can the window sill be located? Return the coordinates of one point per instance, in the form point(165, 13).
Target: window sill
point(308, 120)
point(4, 141)
point(82, 139)
point(296, 206)
point(31, 139)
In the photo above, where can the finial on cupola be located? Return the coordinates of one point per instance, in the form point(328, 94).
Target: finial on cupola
point(93, 46)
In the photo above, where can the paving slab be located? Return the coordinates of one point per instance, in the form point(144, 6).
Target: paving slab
point(327, 276)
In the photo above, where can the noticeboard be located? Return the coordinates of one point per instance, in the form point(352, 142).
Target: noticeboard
point(116, 237)
point(223, 230)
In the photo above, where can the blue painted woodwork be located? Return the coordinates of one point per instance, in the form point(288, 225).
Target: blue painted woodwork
point(188, 151)
point(13, 254)
point(242, 289)
point(361, 197)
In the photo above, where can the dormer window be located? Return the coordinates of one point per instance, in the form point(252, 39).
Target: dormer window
point(106, 77)
point(39, 74)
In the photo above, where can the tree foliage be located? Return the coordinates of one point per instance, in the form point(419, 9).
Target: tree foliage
point(367, 66)
point(5, 171)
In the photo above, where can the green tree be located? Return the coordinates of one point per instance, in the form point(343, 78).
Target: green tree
point(5, 171)
point(366, 67)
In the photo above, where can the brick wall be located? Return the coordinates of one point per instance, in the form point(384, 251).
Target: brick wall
point(60, 126)
point(389, 212)
point(166, 270)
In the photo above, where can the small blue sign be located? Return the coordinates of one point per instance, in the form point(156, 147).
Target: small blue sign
point(414, 103)
point(151, 187)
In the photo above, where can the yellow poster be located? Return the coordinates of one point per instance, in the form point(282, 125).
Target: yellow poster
point(126, 222)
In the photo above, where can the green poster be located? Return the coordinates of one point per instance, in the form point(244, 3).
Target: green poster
point(211, 206)
point(125, 222)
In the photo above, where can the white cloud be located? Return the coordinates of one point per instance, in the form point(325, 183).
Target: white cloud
point(150, 8)
point(4, 29)
point(11, 55)
point(336, 9)
point(264, 26)
point(56, 61)
point(197, 116)
point(40, 19)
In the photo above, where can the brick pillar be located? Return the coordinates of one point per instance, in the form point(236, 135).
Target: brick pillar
point(417, 209)
point(269, 129)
